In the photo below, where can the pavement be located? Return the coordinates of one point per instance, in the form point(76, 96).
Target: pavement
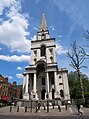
point(71, 111)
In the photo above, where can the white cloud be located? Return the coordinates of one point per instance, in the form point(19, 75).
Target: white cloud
point(35, 28)
point(0, 48)
point(33, 38)
point(19, 68)
point(13, 31)
point(60, 50)
point(7, 3)
point(52, 28)
point(19, 76)
point(76, 11)
point(15, 58)
point(10, 77)
point(59, 36)
point(38, 1)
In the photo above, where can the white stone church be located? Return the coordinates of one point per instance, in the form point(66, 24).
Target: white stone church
point(43, 79)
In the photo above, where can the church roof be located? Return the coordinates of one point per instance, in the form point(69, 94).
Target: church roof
point(43, 22)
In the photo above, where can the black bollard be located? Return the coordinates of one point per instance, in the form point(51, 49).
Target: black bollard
point(17, 108)
point(47, 106)
point(53, 104)
point(36, 106)
point(25, 108)
point(10, 108)
point(31, 105)
point(66, 105)
point(44, 106)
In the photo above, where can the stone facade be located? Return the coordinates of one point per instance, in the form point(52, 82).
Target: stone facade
point(43, 79)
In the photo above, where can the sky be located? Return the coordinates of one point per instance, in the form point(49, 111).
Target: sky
point(67, 21)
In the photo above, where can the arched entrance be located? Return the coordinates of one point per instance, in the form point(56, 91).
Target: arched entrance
point(43, 94)
point(41, 81)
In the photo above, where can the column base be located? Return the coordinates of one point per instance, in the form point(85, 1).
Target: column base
point(57, 95)
point(34, 96)
point(26, 96)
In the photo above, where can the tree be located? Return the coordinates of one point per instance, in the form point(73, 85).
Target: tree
point(86, 35)
point(77, 58)
point(75, 86)
point(87, 46)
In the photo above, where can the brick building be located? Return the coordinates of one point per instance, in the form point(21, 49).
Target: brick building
point(9, 91)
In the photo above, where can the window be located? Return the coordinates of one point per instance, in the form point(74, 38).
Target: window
point(43, 50)
point(35, 60)
point(35, 52)
point(43, 81)
point(60, 83)
point(52, 80)
point(51, 58)
point(61, 93)
point(51, 51)
point(59, 76)
point(43, 36)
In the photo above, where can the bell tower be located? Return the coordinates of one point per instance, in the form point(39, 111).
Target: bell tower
point(43, 48)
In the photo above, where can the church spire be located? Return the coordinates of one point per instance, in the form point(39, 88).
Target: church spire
point(43, 21)
point(43, 32)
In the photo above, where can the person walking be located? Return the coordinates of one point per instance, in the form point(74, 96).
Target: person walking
point(59, 105)
point(78, 108)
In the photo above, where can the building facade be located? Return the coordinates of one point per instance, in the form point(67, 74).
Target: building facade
point(4, 85)
point(14, 91)
point(8, 90)
point(43, 79)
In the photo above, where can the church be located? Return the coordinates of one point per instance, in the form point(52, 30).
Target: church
point(43, 79)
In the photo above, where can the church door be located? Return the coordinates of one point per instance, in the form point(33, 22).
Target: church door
point(43, 94)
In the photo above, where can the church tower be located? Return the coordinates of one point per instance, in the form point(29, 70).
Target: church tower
point(43, 79)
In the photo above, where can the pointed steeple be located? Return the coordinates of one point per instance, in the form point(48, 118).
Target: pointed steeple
point(43, 32)
point(43, 22)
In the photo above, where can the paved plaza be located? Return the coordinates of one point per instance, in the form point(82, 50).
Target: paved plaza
point(71, 111)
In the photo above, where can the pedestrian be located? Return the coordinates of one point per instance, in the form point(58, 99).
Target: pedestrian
point(59, 105)
point(39, 105)
point(66, 105)
point(44, 105)
point(78, 108)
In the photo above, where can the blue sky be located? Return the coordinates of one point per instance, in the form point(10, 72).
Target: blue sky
point(67, 21)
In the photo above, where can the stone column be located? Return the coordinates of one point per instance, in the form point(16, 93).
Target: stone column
point(47, 81)
point(24, 83)
point(27, 78)
point(56, 83)
point(34, 87)
point(26, 94)
point(54, 54)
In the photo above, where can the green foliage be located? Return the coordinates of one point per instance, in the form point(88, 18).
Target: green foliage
point(74, 85)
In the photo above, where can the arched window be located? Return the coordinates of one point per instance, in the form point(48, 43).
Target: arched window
point(61, 93)
point(43, 50)
point(52, 80)
point(43, 36)
point(43, 81)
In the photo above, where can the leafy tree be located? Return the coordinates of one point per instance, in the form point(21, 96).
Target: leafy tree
point(75, 87)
